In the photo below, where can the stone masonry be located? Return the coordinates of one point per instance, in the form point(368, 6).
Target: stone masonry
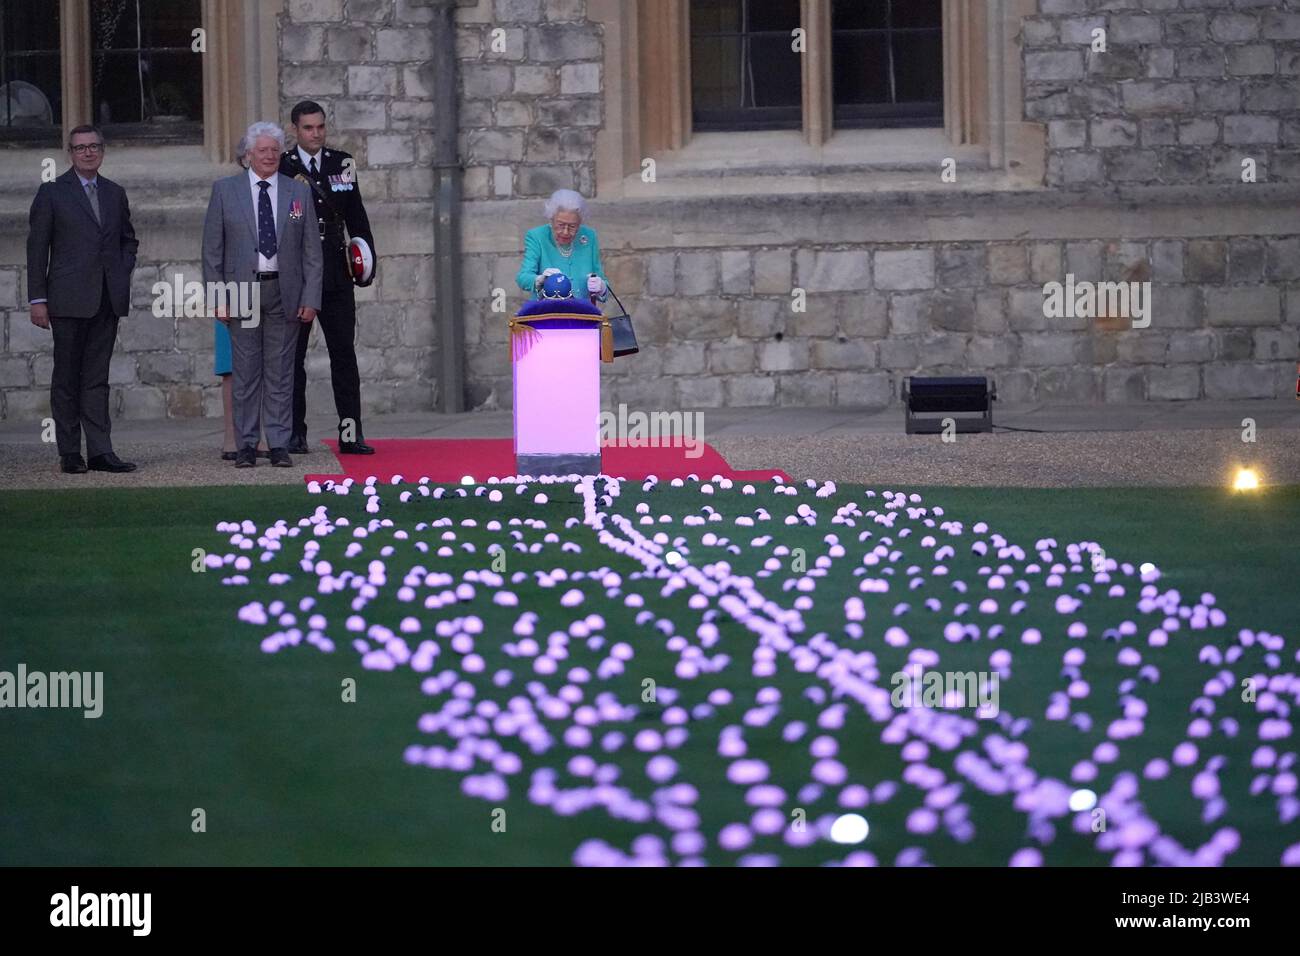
point(1144, 180)
point(1185, 91)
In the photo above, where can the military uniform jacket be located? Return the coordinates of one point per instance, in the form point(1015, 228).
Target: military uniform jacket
point(342, 209)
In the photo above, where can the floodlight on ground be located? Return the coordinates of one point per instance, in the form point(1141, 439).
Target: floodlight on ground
point(929, 402)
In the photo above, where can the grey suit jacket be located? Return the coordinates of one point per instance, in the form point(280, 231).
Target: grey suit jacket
point(69, 254)
point(230, 240)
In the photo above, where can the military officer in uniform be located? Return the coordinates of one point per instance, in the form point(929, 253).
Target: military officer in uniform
point(331, 172)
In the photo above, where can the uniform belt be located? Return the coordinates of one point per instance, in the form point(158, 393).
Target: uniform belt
point(331, 230)
point(268, 275)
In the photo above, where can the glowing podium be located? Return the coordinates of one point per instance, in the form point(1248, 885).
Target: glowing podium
point(556, 350)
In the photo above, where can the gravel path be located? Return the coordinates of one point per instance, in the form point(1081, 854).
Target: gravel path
point(1170, 458)
point(160, 464)
point(1078, 459)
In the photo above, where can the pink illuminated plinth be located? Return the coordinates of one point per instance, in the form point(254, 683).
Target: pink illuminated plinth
point(556, 388)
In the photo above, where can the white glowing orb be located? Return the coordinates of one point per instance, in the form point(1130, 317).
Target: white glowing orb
point(850, 828)
point(1082, 800)
point(467, 480)
point(672, 557)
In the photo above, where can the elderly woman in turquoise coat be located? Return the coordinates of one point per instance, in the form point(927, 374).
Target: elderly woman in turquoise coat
point(564, 244)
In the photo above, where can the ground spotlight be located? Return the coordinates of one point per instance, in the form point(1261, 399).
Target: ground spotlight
point(967, 401)
point(1246, 479)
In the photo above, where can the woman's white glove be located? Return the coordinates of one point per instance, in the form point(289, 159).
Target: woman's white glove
point(537, 283)
point(595, 285)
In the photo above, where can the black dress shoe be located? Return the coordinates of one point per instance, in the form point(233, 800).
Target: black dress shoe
point(110, 462)
point(298, 445)
point(280, 458)
point(246, 457)
point(72, 464)
point(229, 455)
point(355, 448)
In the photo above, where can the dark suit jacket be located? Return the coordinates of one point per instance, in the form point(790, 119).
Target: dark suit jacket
point(338, 204)
point(69, 255)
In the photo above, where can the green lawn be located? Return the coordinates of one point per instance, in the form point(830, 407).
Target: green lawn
point(197, 716)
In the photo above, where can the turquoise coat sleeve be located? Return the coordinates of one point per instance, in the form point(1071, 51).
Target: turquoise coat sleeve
point(532, 264)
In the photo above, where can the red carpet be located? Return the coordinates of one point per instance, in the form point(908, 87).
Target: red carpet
point(447, 460)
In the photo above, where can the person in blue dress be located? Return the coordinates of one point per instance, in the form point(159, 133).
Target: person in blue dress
point(563, 244)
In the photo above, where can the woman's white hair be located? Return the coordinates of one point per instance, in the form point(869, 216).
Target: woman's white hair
point(259, 129)
point(565, 200)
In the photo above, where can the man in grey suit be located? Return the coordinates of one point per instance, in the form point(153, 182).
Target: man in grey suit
point(261, 228)
point(80, 255)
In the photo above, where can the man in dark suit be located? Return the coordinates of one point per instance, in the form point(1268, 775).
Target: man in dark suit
point(80, 256)
point(332, 175)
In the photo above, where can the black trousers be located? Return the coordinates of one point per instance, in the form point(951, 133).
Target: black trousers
point(338, 321)
point(83, 349)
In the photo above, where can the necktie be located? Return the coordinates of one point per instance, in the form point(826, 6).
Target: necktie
point(313, 165)
point(265, 221)
point(93, 195)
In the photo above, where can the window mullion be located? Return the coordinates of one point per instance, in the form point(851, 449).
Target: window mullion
point(965, 73)
point(75, 66)
point(815, 18)
point(889, 50)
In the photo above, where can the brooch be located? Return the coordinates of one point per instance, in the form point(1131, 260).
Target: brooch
point(582, 240)
point(295, 209)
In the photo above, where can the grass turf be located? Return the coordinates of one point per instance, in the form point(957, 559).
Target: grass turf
point(195, 716)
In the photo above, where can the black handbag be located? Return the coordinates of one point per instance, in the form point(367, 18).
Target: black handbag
point(624, 334)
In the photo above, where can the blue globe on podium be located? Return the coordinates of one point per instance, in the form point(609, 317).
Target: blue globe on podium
point(557, 286)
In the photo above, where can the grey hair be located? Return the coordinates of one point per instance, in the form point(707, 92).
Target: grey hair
point(565, 200)
point(241, 151)
point(258, 129)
